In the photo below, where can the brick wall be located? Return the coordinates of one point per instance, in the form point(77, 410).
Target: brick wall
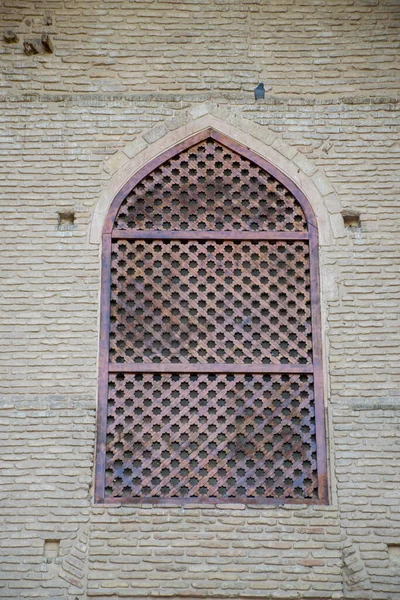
point(117, 71)
point(299, 47)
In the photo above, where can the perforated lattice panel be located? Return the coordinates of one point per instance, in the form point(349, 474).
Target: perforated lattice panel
point(210, 373)
point(224, 302)
point(211, 436)
point(210, 187)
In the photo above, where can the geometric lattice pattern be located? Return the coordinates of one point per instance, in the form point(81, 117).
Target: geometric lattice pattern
point(212, 391)
point(211, 436)
point(210, 187)
point(210, 301)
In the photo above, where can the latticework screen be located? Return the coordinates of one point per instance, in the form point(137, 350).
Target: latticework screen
point(207, 188)
point(218, 436)
point(210, 383)
point(196, 301)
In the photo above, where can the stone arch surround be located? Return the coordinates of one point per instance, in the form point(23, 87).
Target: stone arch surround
point(311, 180)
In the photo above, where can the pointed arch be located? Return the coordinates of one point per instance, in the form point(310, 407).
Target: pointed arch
point(208, 133)
point(274, 342)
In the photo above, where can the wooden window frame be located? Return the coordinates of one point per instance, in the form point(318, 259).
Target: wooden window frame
point(316, 367)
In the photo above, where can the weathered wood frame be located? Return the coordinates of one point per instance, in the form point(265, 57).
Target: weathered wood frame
point(109, 233)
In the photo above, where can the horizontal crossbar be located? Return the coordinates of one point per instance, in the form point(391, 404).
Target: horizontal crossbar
point(207, 368)
point(131, 234)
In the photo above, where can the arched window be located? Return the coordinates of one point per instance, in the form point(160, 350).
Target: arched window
point(210, 354)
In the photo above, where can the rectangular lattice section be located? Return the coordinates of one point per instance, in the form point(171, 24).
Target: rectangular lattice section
point(211, 436)
point(210, 302)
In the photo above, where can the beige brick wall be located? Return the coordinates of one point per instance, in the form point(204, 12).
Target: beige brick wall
point(72, 121)
point(305, 47)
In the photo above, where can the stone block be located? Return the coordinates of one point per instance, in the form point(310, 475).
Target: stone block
point(155, 134)
point(133, 148)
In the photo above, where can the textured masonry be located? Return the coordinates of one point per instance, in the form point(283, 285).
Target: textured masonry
point(123, 81)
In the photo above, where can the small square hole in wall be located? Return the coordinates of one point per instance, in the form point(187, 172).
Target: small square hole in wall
point(394, 553)
point(66, 221)
point(352, 220)
point(51, 549)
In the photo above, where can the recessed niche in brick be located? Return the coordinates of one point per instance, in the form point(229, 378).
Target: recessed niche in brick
point(351, 219)
point(10, 37)
point(394, 553)
point(66, 221)
point(51, 549)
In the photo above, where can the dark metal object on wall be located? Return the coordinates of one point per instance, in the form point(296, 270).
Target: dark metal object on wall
point(210, 353)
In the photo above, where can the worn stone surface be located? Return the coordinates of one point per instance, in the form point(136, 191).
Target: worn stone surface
point(123, 75)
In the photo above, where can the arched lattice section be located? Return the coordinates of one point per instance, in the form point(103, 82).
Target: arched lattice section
point(210, 357)
point(210, 187)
